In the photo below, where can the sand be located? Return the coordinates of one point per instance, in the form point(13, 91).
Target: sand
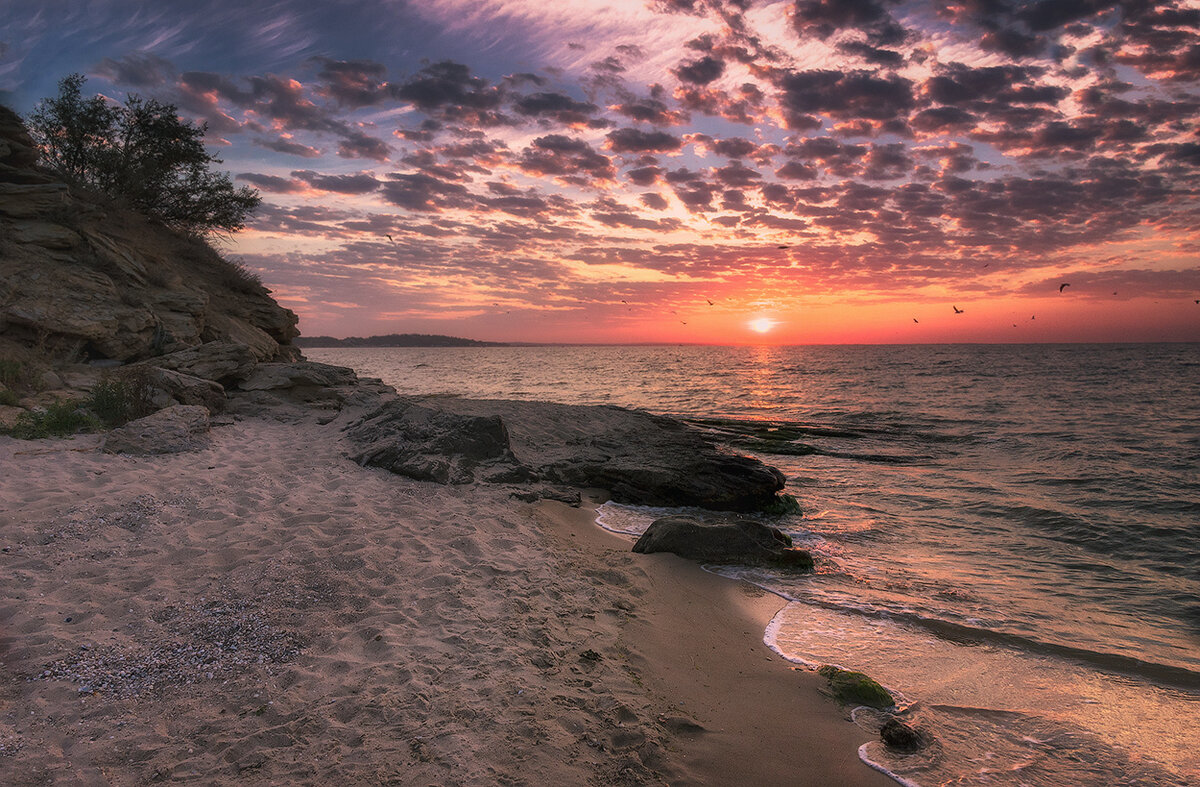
point(265, 611)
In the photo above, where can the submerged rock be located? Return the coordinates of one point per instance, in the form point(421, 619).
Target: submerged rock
point(745, 543)
point(856, 688)
point(169, 431)
point(898, 735)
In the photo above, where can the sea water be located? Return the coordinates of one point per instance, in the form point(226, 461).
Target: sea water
point(1007, 537)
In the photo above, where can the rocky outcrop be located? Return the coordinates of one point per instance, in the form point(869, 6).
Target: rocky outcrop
point(216, 361)
point(639, 458)
point(432, 445)
point(170, 431)
point(83, 279)
point(746, 543)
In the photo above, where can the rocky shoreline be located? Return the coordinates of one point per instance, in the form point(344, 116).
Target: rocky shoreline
point(255, 567)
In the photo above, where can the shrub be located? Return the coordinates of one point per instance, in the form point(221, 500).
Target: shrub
point(141, 152)
point(59, 419)
point(123, 395)
point(8, 397)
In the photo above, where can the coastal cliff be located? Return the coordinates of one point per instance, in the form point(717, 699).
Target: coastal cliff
point(86, 281)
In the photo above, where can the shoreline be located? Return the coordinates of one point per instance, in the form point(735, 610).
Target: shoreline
point(262, 609)
point(703, 641)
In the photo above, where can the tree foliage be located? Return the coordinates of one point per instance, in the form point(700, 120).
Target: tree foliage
point(143, 153)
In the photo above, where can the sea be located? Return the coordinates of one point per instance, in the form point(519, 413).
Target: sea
point(1007, 537)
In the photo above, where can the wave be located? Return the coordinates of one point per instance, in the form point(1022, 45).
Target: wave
point(1167, 675)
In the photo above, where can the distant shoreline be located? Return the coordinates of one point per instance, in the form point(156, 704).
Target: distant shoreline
point(391, 340)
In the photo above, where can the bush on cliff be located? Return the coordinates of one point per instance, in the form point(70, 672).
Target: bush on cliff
point(140, 152)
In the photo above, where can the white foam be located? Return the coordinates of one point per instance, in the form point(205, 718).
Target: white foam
point(862, 755)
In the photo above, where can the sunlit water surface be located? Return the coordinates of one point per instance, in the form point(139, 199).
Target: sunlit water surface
point(1007, 537)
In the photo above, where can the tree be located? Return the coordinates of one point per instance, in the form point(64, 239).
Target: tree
point(140, 152)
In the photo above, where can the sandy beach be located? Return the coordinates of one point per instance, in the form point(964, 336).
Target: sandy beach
point(264, 610)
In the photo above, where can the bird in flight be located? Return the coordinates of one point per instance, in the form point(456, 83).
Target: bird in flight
point(389, 237)
point(710, 303)
point(781, 247)
point(1063, 286)
point(915, 320)
point(957, 310)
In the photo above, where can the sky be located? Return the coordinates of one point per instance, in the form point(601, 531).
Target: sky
point(713, 171)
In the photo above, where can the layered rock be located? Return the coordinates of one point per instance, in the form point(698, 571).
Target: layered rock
point(83, 279)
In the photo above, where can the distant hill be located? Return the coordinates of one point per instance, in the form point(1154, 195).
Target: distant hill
point(392, 340)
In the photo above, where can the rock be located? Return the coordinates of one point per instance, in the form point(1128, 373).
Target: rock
point(16, 146)
point(215, 361)
point(304, 383)
point(180, 388)
point(639, 458)
point(432, 445)
point(855, 688)
point(170, 431)
point(898, 735)
point(272, 376)
point(745, 542)
point(28, 200)
point(44, 233)
point(9, 415)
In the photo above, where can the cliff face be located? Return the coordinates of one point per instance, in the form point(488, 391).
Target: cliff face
point(82, 280)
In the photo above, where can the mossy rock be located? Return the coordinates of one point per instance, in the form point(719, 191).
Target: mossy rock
point(783, 504)
point(856, 688)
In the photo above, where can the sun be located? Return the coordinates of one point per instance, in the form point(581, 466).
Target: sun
point(761, 324)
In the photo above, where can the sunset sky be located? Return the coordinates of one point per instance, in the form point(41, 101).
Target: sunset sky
point(682, 170)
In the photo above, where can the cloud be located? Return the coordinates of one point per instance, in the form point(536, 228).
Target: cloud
point(137, 69)
point(566, 158)
point(421, 192)
point(283, 145)
point(843, 94)
point(701, 72)
point(353, 83)
point(633, 140)
point(272, 183)
point(556, 107)
point(448, 90)
point(360, 183)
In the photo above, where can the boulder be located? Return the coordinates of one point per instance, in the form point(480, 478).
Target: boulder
point(639, 458)
point(170, 431)
point(744, 542)
point(901, 737)
point(216, 361)
point(431, 445)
